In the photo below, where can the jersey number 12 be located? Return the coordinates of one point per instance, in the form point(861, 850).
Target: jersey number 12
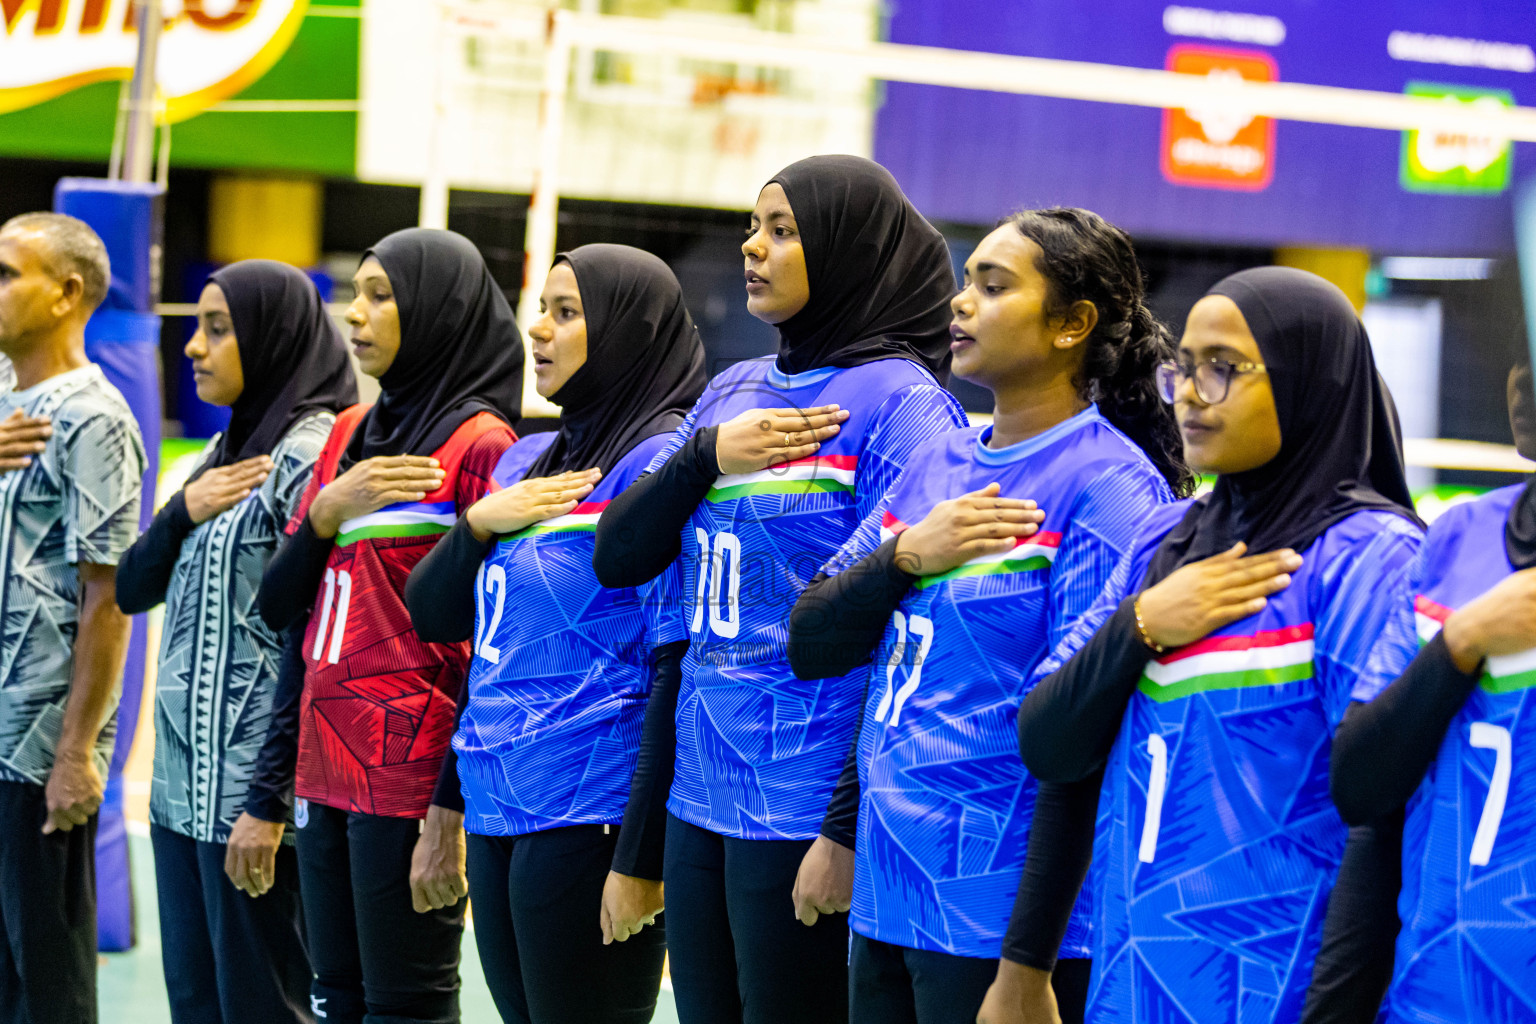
point(490, 602)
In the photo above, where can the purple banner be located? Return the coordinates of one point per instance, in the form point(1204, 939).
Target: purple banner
point(971, 157)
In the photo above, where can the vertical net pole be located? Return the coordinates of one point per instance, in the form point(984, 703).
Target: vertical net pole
point(544, 204)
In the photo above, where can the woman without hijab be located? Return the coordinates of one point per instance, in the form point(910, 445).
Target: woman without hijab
point(265, 347)
point(550, 730)
point(774, 467)
point(379, 814)
point(1206, 701)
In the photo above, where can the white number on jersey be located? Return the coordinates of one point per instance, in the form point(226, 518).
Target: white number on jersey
point(1487, 736)
point(719, 570)
point(489, 580)
point(337, 591)
point(894, 699)
point(1157, 788)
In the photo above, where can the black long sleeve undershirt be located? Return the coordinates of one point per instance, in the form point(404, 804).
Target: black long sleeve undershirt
point(641, 845)
point(270, 793)
point(440, 592)
point(292, 579)
point(1055, 865)
point(1068, 722)
point(1384, 747)
point(144, 572)
point(838, 621)
point(640, 532)
point(1354, 961)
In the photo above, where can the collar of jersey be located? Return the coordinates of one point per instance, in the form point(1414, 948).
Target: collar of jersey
point(787, 381)
point(62, 380)
point(1030, 445)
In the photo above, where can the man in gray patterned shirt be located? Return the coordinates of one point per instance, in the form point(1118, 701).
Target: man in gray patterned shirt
point(65, 519)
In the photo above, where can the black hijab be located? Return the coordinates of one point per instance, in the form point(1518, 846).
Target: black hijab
point(645, 363)
point(1340, 451)
point(291, 355)
point(1520, 527)
point(880, 275)
point(460, 351)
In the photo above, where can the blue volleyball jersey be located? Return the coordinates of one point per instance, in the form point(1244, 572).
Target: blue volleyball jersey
point(561, 668)
point(1218, 843)
point(759, 751)
point(1467, 948)
point(946, 802)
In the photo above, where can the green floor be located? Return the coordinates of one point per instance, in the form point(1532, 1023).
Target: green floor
point(132, 988)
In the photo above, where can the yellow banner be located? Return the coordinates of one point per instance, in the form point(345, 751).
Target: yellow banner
point(210, 50)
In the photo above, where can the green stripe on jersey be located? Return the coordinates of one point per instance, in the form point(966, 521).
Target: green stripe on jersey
point(1226, 681)
point(1508, 684)
point(985, 569)
point(391, 530)
point(815, 485)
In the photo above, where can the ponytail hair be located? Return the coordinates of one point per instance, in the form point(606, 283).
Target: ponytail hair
point(1086, 258)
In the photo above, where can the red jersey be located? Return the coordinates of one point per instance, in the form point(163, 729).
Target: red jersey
point(379, 703)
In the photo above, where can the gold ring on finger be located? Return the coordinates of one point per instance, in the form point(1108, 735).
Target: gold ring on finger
point(787, 442)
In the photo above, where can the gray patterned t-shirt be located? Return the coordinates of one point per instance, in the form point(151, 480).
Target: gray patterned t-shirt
point(77, 502)
point(218, 660)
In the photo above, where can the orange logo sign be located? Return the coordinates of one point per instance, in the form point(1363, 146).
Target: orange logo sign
point(1219, 148)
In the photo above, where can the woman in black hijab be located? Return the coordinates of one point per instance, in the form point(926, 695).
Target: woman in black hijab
point(266, 348)
point(1205, 702)
point(550, 727)
point(379, 815)
point(773, 469)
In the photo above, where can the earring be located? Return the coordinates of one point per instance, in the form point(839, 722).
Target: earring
point(1063, 341)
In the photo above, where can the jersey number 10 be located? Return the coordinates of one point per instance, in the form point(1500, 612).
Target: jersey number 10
point(719, 587)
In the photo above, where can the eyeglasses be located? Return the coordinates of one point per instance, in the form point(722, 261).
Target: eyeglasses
point(1212, 378)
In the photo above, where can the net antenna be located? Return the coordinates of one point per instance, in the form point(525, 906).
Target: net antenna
point(553, 42)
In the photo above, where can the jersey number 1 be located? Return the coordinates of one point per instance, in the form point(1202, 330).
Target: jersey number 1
point(1157, 788)
point(338, 593)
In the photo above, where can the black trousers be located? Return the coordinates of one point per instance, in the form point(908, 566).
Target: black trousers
point(891, 984)
point(739, 955)
point(376, 960)
point(536, 900)
point(229, 958)
point(48, 914)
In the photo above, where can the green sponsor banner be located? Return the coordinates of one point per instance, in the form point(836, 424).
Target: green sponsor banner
point(1455, 162)
point(298, 116)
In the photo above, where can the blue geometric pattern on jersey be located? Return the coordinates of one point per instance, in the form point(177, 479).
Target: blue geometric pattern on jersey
point(1467, 949)
point(561, 670)
point(1213, 914)
point(758, 751)
point(946, 802)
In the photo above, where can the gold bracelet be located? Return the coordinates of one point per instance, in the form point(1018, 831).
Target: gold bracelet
point(1141, 630)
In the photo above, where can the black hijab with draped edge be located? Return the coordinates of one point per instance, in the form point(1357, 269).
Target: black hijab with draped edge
point(291, 355)
point(460, 350)
point(645, 363)
point(880, 275)
point(1520, 527)
point(1340, 451)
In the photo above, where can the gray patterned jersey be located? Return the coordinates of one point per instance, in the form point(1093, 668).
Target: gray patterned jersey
point(218, 660)
point(77, 502)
